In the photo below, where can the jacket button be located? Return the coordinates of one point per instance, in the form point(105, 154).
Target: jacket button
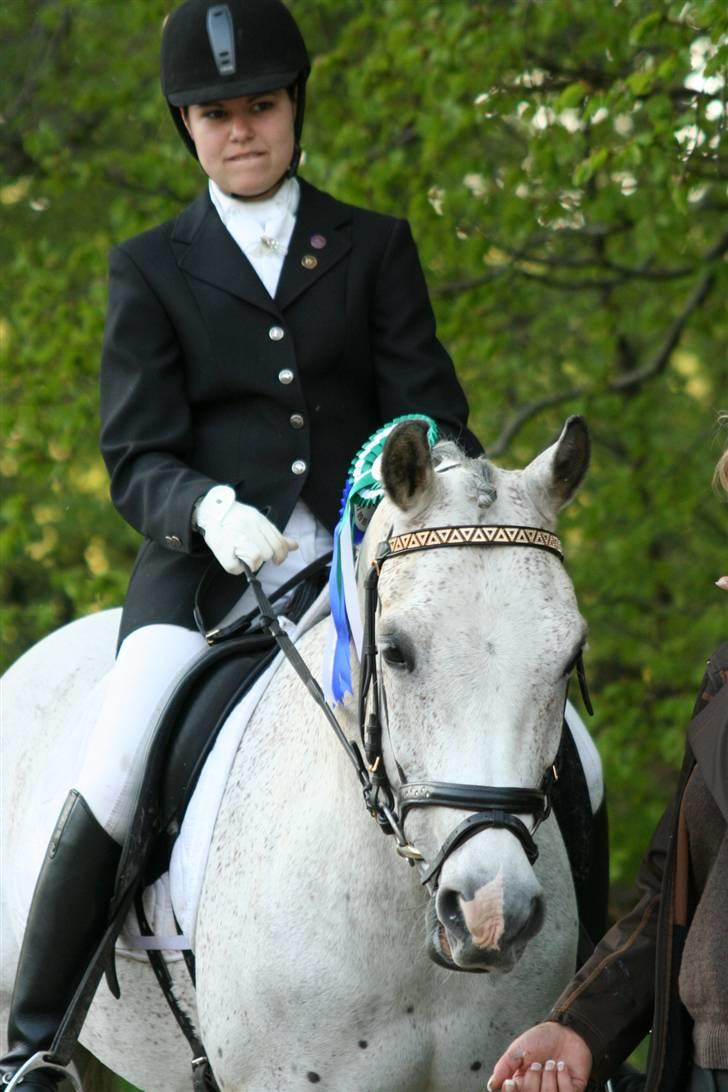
point(285, 376)
point(173, 540)
point(299, 467)
point(296, 420)
point(276, 333)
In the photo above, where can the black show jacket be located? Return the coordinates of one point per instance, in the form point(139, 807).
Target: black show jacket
point(206, 379)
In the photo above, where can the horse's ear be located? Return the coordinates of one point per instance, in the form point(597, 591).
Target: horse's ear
point(554, 476)
point(407, 470)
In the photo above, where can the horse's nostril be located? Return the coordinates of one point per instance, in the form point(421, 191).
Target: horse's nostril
point(449, 911)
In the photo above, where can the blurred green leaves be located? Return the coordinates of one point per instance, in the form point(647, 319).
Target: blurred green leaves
point(564, 170)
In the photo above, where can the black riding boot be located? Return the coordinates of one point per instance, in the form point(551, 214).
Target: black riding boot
point(67, 918)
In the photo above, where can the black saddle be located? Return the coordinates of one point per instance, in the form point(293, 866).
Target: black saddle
point(196, 713)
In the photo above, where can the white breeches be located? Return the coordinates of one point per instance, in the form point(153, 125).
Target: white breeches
point(150, 662)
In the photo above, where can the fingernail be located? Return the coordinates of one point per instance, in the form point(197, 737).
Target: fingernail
point(489, 1086)
point(550, 1064)
point(509, 1086)
point(561, 1066)
point(535, 1066)
point(722, 583)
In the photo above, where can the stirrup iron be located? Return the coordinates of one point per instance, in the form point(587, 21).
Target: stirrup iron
point(39, 1061)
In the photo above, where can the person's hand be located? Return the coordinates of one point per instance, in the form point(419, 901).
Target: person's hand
point(547, 1058)
point(238, 532)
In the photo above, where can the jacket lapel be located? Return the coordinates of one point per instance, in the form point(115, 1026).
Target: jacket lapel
point(318, 243)
point(206, 250)
point(708, 737)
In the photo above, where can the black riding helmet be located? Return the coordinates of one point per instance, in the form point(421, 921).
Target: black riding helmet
point(220, 51)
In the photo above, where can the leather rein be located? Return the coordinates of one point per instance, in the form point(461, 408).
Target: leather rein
point(492, 806)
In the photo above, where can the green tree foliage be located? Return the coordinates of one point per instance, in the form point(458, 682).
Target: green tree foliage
point(562, 167)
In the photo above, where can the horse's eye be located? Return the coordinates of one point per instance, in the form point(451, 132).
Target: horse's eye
point(573, 662)
point(395, 657)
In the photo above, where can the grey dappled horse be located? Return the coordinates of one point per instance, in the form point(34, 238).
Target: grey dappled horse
point(314, 940)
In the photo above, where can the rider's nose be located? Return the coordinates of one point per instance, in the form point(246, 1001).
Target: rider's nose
point(240, 128)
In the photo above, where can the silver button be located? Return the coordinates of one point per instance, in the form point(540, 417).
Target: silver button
point(173, 541)
point(285, 376)
point(276, 333)
point(299, 467)
point(296, 420)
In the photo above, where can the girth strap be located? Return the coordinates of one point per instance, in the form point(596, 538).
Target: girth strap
point(203, 1079)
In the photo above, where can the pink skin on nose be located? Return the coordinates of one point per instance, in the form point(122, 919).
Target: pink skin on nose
point(484, 914)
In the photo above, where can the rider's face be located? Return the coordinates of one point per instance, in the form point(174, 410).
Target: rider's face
point(245, 144)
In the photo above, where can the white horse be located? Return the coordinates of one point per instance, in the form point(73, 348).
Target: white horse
point(314, 940)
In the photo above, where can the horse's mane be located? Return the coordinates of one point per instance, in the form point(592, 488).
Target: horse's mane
point(481, 473)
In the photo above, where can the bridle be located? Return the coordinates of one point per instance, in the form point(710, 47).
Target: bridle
point(492, 806)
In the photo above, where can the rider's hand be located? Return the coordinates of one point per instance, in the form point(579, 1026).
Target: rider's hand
point(547, 1042)
point(238, 532)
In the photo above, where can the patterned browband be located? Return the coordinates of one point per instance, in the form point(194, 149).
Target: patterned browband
point(476, 535)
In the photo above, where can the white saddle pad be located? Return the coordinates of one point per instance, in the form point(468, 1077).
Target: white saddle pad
point(181, 887)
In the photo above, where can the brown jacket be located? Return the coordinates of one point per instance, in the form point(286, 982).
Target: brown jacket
point(629, 985)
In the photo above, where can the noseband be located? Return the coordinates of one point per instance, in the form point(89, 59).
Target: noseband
point(493, 806)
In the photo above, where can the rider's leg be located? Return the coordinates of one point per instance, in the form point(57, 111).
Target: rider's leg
point(67, 917)
point(70, 905)
point(150, 663)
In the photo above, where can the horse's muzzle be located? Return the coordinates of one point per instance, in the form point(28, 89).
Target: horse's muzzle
point(459, 942)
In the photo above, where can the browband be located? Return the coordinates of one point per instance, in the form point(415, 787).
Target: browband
point(476, 534)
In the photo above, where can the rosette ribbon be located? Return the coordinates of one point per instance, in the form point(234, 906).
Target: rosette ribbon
point(363, 489)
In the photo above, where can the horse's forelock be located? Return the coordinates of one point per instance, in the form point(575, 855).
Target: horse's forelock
point(480, 484)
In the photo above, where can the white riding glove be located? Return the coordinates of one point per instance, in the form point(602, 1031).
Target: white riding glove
point(238, 532)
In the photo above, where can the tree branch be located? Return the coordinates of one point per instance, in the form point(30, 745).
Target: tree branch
point(36, 72)
point(525, 413)
point(653, 366)
point(697, 297)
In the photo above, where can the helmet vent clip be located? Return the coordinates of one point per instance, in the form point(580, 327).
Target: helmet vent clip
point(220, 32)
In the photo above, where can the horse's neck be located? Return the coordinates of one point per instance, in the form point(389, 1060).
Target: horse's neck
point(289, 722)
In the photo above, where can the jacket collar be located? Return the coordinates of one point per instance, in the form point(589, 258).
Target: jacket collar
point(708, 738)
point(206, 250)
